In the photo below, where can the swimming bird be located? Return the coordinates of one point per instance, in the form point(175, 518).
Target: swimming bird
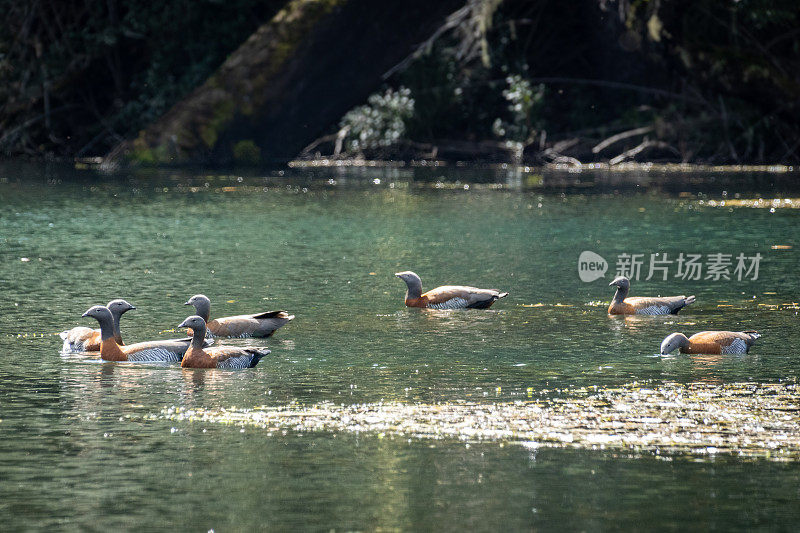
point(711, 342)
point(622, 305)
point(83, 339)
point(447, 296)
point(230, 357)
point(239, 326)
point(166, 351)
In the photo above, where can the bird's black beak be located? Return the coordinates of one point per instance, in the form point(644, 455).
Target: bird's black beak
point(85, 314)
point(612, 283)
point(132, 308)
point(188, 303)
point(182, 324)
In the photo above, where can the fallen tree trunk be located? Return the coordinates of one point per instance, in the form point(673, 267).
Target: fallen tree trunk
point(288, 83)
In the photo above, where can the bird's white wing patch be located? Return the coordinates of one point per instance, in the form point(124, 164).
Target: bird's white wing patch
point(154, 355)
point(70, 347)
point(654, 310)
point(738, 346)
point(236, 363)
point(452, 303)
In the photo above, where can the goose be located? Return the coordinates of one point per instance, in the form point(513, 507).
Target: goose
point(622, 305)
point(83, 339)
point(166, 351)
point(230, 357)
point(447, 296)
point(239, 326)
point(710, 342)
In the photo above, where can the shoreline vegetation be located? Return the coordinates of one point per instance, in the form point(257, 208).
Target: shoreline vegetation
point(601, 84)
point(356, 163)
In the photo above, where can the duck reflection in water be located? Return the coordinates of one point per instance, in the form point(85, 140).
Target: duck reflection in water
point(204, 386)
point(637, 323)
point(704, 368)
point(443, 320)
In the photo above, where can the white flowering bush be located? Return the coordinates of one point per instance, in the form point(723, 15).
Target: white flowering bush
point(379, 123)
point(524, 101)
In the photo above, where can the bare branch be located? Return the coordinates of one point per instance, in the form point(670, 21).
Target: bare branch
point(618, 85)
point(638, 149)
point(620, 136)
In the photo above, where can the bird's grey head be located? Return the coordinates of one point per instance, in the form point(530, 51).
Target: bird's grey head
point(673, 342)
point(413, 283)
point(98, 312)
point(195, 322)
point(201, 304)
point(622, 282)
point(408, 276)
point(198, 299)
point(119, 306)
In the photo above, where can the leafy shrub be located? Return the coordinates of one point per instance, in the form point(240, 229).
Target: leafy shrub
point(246, 152)
point(78, 76)
point(524, 101)
point(381, 122)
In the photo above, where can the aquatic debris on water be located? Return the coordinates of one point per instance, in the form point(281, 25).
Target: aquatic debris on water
point(772, 203)
point(700, 419)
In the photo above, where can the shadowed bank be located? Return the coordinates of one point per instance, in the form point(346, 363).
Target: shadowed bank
point(255, 83)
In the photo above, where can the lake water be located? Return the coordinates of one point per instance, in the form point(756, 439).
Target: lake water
point(92, 446)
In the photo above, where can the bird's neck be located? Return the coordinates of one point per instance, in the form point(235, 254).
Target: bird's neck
point(198, 337)
point(117, 332)
point(414, 289)
point(203, 310)
point(685, 343)
point(620, 295)
point(106, 327)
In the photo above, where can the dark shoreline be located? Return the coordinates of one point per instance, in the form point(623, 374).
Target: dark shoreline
point(682, 180)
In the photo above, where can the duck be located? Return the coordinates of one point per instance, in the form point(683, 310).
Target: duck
point(447, 296)
point(166, 351)
point(711, 342)
point(83, 339)
point(661, 305)
point(239, 326)
point(230, 357)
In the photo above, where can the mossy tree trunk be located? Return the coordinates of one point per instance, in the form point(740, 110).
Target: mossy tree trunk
point(288, 83)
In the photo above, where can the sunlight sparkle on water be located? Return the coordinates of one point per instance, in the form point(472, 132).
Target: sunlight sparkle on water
point(745, 419)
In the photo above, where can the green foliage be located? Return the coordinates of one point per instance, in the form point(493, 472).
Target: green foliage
point(380, 123)
point(474, 83)
point(246, 152)
point(736, 64)
point(716, 79)
point(524, 102)
point(83, 74)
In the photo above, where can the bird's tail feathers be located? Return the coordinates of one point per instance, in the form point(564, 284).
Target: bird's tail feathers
point(258, 353)
point(274, 314)
point(690, 299)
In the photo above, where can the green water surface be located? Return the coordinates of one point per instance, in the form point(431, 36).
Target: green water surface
point(78, 452)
